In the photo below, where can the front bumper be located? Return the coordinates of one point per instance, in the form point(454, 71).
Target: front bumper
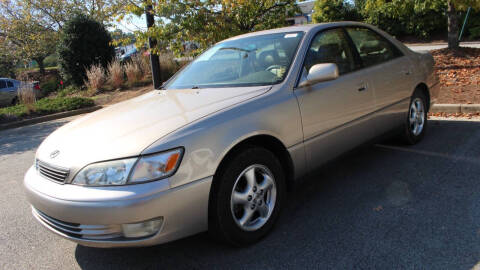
point(63, 208)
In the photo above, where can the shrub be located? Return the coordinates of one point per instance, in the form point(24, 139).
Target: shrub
point(145, 65)
point(7, 65)
point(18, 110)
point(334, 10)
point(116, 74)
point(68, 90)
point(406, 17)
point(133, 71)
point(46, 106)
point(168, 66)
point(95, 78)
point(27, 96)
point(475, 32)
point(83, 42)
point(49, 86)
point(51, 60)
point(53, 105)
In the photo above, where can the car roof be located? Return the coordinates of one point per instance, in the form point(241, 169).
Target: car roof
point(301, 28)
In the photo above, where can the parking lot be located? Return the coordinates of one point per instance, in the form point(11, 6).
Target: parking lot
point(384, 206)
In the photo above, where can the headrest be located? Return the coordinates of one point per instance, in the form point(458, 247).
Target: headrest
point(370, 46)
point(268, 58)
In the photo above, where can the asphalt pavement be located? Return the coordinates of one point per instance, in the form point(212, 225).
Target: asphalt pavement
point(385, 206)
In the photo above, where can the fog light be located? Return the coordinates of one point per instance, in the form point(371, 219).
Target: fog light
point(142, 229)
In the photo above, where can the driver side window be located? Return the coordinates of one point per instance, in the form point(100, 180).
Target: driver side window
point(330, 46)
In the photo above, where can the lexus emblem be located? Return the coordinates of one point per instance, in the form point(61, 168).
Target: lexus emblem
point(54, 154)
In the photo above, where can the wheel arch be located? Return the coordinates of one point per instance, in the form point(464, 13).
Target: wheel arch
point(269, 142)
point(423, 88)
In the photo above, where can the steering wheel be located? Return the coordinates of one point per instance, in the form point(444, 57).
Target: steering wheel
point(270, 68)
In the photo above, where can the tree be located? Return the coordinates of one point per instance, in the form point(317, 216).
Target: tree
point(54, 13)
point(83, 43)
point(406, 17)
point(31, 26)
point(7, 59)
point(334, 10)
point(453, 24)
point(205, 22)
point(121, 38)
point(28, 39)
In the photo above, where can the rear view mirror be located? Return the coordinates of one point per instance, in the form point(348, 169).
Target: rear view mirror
point(320, 73)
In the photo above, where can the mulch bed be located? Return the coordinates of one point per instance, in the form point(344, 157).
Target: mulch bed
point(459, 75)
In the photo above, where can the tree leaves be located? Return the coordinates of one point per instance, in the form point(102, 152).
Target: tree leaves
point(205, 22)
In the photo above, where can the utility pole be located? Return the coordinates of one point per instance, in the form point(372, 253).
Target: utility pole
point(152, 43)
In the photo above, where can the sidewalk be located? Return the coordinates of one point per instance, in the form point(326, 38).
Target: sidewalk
point(438, 45)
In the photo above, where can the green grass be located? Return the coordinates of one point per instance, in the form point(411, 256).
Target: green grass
point(45, 106)
point(35, 69)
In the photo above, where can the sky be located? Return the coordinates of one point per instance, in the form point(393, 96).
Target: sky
point(131, 23)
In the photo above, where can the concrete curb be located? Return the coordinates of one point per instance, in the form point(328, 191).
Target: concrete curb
point(455, 108)
point(442, 43)
point(46, 118)
point(436, 108)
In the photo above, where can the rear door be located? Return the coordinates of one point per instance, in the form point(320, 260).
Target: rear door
point(334, 113)
point(390, 73)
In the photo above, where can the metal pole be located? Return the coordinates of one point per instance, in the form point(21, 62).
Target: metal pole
point(152, 43)
point(464, 23)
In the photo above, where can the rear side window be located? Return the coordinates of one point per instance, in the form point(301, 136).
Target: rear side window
point(9, 84)
point(372, 47)
point(3, 84)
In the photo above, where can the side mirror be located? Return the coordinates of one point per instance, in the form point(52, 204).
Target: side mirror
point(320, 73)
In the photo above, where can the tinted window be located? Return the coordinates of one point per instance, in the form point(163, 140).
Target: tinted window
point(3, 84)
point(373, 48)
point(330, 46)
point(9, 84)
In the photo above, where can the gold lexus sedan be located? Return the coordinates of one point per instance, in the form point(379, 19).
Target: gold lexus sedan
point(221, 143)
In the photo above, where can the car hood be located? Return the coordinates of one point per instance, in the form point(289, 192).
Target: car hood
point(127, 128)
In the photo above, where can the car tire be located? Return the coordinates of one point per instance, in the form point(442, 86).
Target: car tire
point(416, 122)
point(14, 101)
point(246, 197)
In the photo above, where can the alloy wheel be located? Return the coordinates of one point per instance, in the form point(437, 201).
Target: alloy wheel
point(416, 117)
point(253, 197)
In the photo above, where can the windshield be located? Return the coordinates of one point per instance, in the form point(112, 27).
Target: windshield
point(257, 60)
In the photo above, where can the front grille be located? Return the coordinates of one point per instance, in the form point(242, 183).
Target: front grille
point(51, 172)
point(79, 231)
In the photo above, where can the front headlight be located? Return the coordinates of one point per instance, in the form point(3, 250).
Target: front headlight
point(131, 170)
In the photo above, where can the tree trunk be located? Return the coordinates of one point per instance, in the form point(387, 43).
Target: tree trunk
point(452, 26)
point(41, 66)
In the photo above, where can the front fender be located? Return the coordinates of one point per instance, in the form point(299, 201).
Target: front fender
point(208, 140)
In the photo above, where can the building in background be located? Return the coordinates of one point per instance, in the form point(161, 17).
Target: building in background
point(305, 15)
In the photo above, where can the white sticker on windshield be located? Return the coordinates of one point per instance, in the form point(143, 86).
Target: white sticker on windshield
point(290, 35)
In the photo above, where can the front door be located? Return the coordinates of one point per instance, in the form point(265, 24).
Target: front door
point(4, 93)
point(335, 114)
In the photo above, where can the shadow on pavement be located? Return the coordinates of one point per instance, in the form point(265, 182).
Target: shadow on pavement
point(18, 140)
point(384, 206)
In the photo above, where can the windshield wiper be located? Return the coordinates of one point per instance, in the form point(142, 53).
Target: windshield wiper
point(236, 49)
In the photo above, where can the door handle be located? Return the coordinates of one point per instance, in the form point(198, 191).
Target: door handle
point(363, 88)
